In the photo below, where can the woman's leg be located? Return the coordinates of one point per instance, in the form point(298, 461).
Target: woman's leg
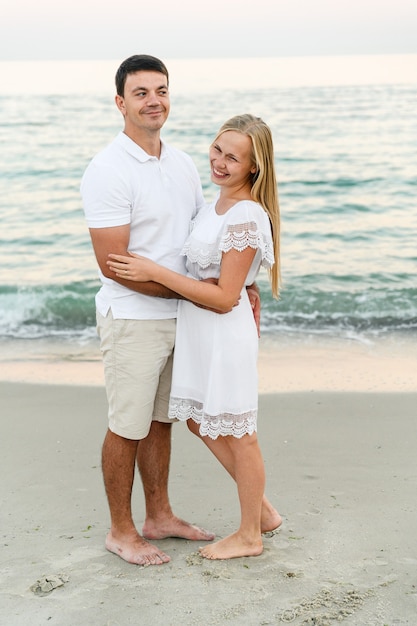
point(270, 518)
point(250, 479)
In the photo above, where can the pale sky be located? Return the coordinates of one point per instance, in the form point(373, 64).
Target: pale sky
point(176, 29)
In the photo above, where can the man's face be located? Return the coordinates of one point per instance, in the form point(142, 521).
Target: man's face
point(145, 104)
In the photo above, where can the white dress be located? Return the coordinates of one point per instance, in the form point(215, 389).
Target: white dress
point(215, 379)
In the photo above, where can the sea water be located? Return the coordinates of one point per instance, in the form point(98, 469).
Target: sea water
point(346, 161)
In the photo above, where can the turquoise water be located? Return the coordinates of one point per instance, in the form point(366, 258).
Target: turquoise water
point(346, 162)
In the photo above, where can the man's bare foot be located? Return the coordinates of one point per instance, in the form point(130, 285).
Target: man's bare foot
point(271, 520)
point(232, 547)
point(136, 550)
point(175, 527)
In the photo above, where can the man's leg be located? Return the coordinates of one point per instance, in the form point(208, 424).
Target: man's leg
point(118, 463)
point(153, 457)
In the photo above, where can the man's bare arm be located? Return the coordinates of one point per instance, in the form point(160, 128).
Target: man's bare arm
point(116, 240)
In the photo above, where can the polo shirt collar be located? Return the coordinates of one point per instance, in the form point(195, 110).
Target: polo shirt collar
point(136, 151)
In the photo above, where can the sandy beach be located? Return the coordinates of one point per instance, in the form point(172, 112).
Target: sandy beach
point(338, 429)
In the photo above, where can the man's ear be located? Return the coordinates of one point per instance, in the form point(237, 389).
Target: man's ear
point(120, 103)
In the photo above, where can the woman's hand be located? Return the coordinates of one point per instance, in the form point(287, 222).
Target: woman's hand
point(132, 267)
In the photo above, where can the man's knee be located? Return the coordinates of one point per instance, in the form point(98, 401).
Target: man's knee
point(158, 432)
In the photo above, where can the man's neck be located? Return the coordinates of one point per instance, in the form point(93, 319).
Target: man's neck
point(150, 142)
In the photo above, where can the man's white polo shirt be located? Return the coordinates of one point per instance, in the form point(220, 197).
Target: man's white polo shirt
point(158, 198)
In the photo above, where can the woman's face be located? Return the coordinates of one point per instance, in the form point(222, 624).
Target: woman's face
point(231, 160)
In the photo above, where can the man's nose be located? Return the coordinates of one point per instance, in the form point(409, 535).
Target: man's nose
point(153, 98)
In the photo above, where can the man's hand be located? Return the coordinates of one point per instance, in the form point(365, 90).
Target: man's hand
point(255, 301)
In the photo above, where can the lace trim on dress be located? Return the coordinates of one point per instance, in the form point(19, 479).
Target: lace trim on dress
point(213, 425)
point(241, 236)
point(237, 236)
point(204, 257)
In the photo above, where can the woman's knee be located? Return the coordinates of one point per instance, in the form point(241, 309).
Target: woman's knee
point(193, 427)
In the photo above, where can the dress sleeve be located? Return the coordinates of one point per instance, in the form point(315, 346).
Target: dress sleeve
point(247, 225)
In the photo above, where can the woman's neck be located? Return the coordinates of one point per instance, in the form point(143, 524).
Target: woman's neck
point(229, 198)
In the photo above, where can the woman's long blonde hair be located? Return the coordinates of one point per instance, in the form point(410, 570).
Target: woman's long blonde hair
point(264, 182)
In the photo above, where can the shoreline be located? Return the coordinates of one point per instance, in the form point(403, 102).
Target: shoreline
point(284, 365)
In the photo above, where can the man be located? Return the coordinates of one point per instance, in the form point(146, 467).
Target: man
point(139, 195)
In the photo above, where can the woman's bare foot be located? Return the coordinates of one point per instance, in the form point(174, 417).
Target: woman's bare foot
point(232, 547)
point(175, 527)
point(134, 549)
point(270, 518)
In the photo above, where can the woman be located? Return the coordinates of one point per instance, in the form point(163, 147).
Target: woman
point(214, 384)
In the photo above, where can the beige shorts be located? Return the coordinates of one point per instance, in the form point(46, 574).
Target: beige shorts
point(137, 356)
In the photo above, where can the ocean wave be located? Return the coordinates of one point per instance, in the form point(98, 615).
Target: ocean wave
point(69, 311)
point(45, 311)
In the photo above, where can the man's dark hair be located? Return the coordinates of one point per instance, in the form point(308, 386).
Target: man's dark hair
point(138, 63)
